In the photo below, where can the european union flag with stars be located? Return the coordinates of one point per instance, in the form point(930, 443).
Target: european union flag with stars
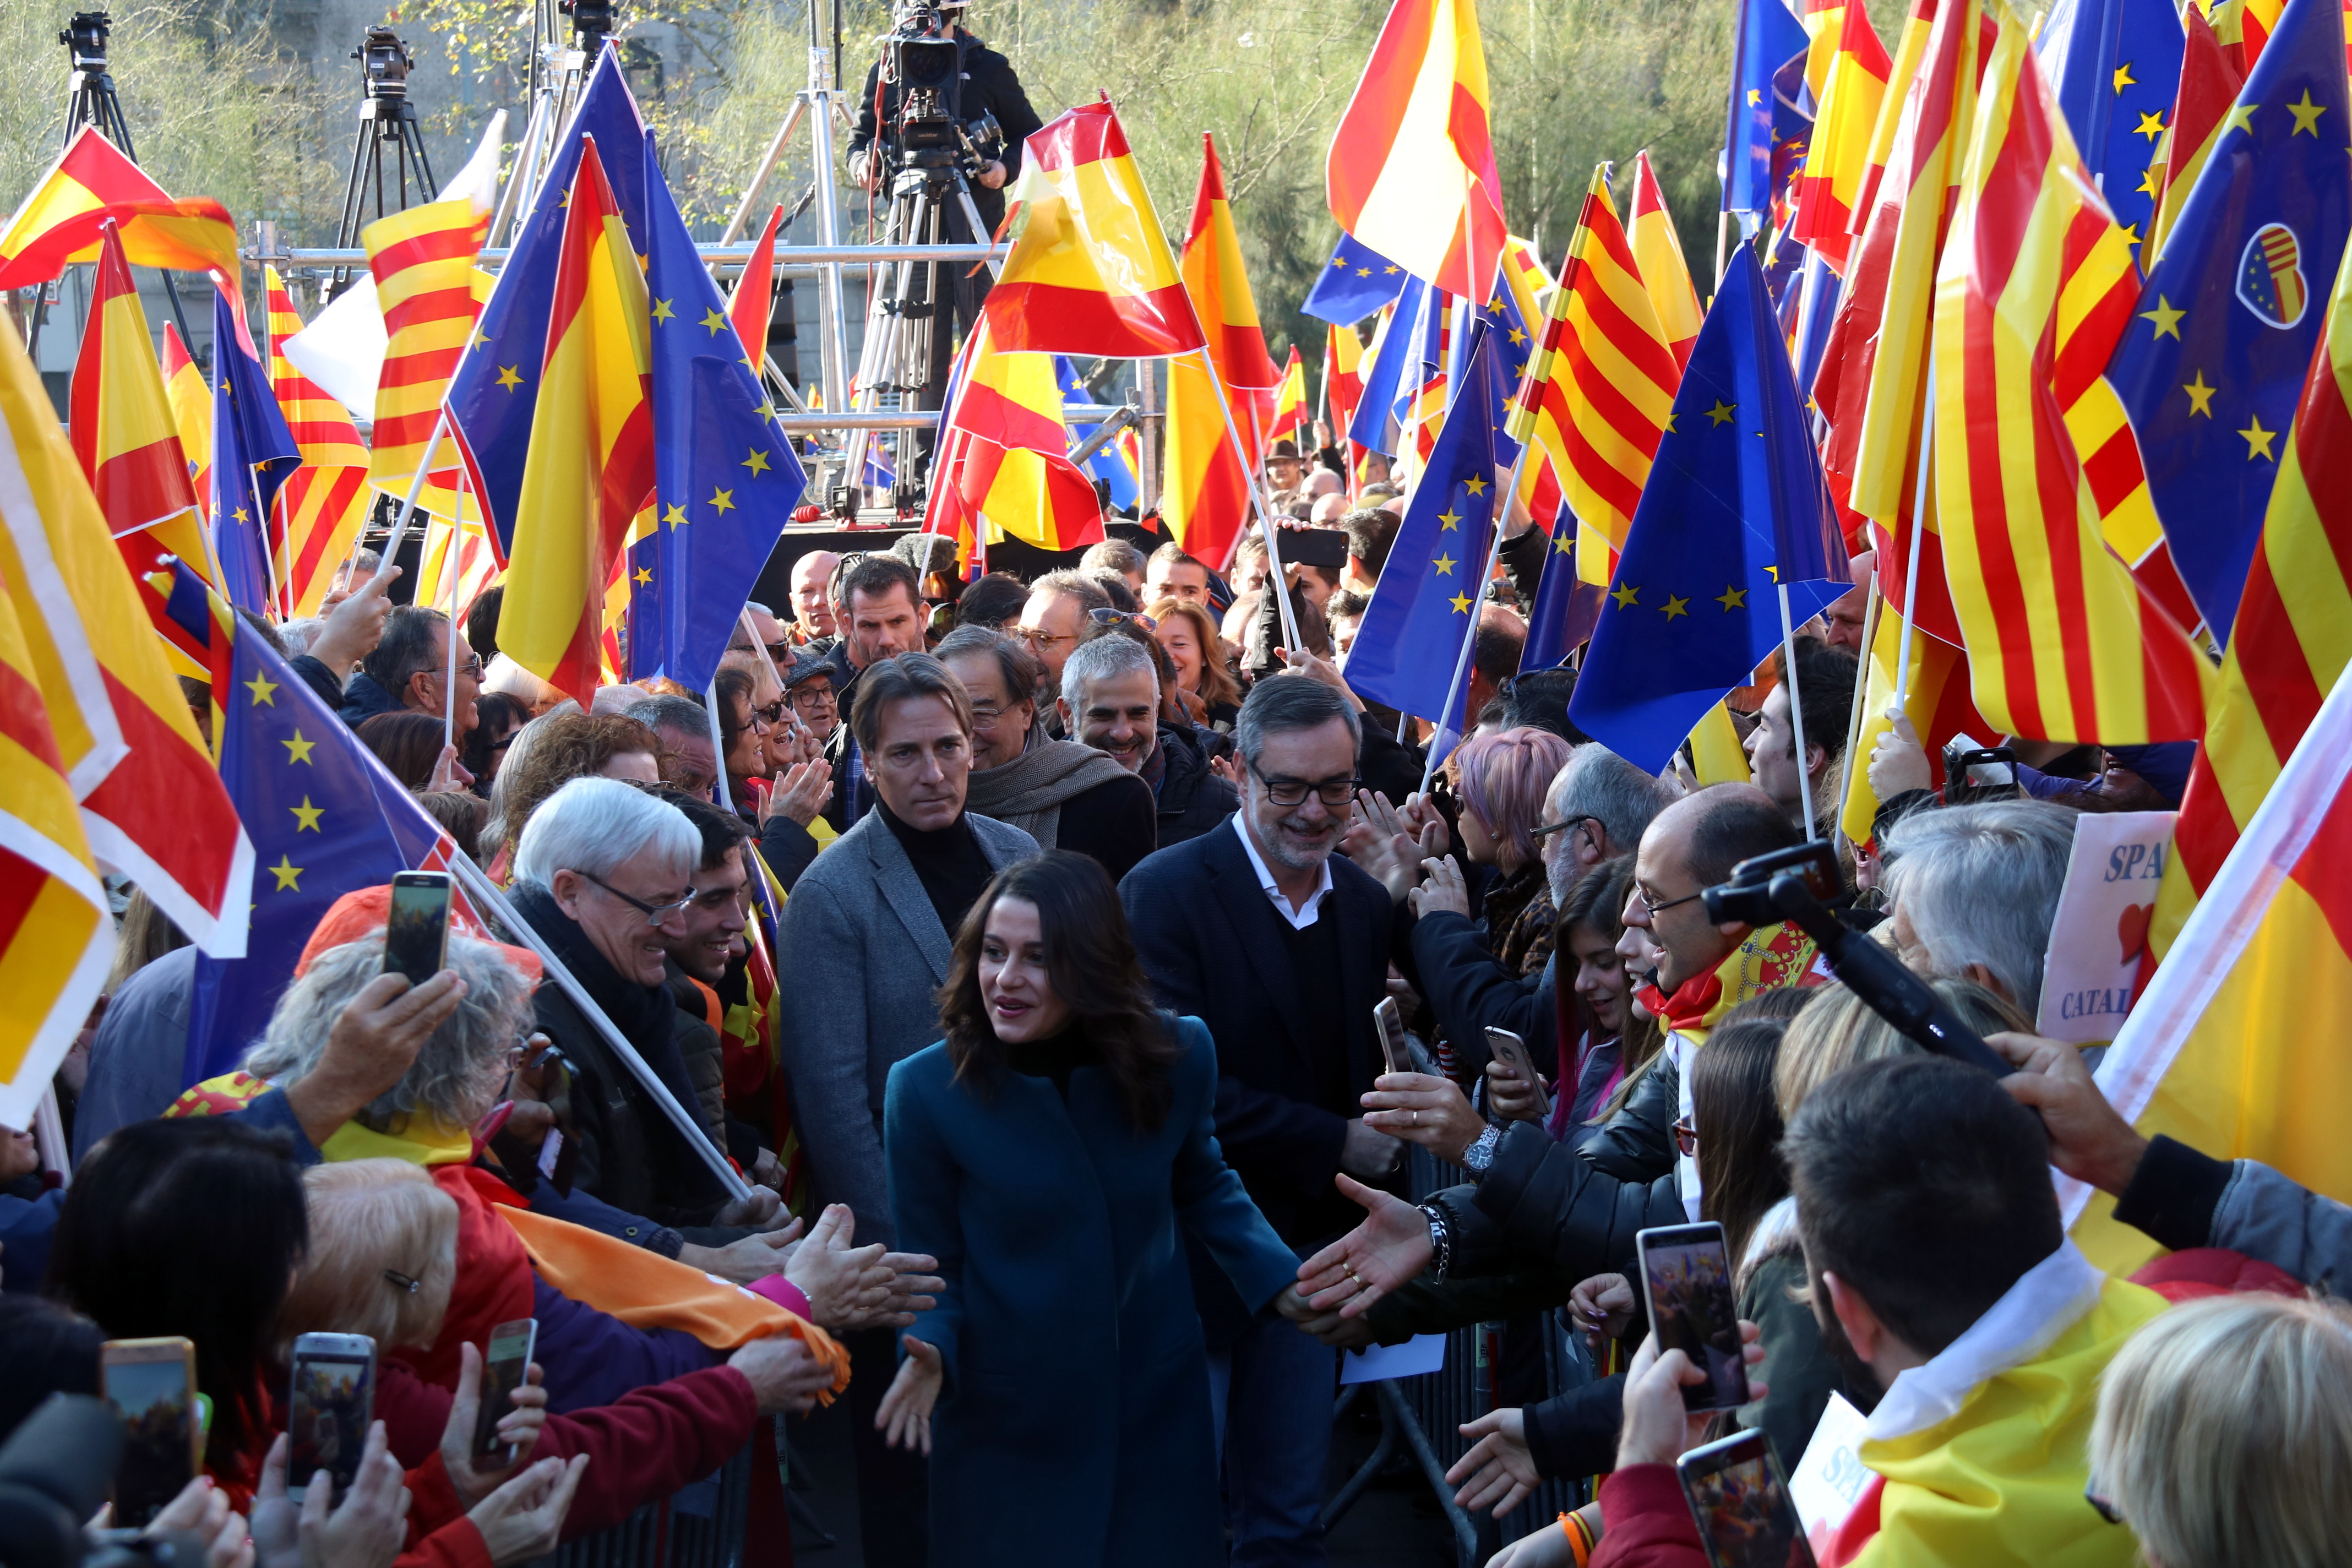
point(1408, 353)
point(1427, 600)
point(1735, 503)
point(253, 455)
point(1566, 606)
point(725, 478)
point(2116, 67)
point(2212, 364)
point(1356, 281)
point(325, 818)
point(1109, 464)
point(1769, 36)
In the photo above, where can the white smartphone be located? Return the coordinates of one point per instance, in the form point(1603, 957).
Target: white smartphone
point(1512, 1052)
point(333, 1403)
point(503, 1371)
point(1388, 1025)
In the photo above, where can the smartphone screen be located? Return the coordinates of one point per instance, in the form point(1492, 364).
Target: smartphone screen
point(1746, 1518)
point(416, 933)
point(334, 1398)
point(151, 1385)
point(503, 1371)
point(1388, 1025)
point(1688, 1277)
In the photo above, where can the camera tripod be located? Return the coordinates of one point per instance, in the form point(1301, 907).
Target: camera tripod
point(386, 120)
point(90, 99)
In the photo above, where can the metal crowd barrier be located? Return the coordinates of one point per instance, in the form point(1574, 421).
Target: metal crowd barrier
point(699, 1526)
point(1423, 1415)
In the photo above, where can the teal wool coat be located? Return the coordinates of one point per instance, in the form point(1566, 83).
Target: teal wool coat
point(1072, 1426)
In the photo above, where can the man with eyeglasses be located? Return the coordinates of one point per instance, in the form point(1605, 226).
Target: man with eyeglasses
point(1052, 622)
point(1283, 949)
point(409, 669)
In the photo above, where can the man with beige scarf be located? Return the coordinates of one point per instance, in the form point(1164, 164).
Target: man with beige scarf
point(1063, 795)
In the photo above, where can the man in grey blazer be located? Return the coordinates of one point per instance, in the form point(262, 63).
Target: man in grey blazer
point(865, 939)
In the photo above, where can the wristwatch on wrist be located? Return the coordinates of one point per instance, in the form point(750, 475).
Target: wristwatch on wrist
point(1481, 1154)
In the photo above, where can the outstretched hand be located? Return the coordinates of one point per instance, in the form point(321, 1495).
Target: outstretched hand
point(1383, 842)
point(1379, 1256)
point(904, 1418)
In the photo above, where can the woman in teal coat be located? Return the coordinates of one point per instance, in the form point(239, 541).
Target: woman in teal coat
point(1050, 1152)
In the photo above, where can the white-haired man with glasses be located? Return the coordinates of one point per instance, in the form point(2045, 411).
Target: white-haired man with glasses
point(1283, 949)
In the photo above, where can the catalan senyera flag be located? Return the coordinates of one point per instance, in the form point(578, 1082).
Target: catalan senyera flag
point(2294, 628)
point(1290, 404)
point(2245, 28)
point(56, 933)
point(326, 501)
point(1088, 270)
point(1828, 188)
point(124, 435)
point(1412, 167)
point(2200, 111)
point(462, 549)
point(1658, 257)
point(1597, 398)
point(1938, 708)
point(93, 183)
point(153, 807)
point(2035, 286)
point(423, 260)
point(591, 458)
point(2218, 1052)
point(1005, 444)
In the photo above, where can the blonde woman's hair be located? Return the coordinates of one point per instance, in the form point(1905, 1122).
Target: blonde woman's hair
point(371, 1219)
point(2224, 1434)
point(1838, 1029)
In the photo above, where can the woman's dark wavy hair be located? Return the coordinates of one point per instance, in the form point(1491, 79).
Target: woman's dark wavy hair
point(1091, 960)
point(190, 1227)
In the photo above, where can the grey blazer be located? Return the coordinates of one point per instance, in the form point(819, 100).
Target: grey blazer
point(863, 953)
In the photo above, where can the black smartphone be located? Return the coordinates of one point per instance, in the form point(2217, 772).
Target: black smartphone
point(151, 1385)
point(416, 933)
point(1686, 1275)
point(1962, 768)
point(1388, 1025)
point(503, 1371)
point(1740, 1498)
point(332, 1402)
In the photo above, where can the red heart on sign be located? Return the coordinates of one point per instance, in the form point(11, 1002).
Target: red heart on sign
point(2131, 929)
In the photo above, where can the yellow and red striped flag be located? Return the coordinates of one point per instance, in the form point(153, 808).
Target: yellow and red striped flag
point(1939, 708)
point(1910, 48)
point(423, 261)
point(325, 501)
point(1089, 271)
point(591, 466)
point(449, 547)
point(93, 183)
point(755, 300)
point(1411, 172)
point(1206, 497)
point(192, 414)
point(1003, 456)
point(2036, 285)
point(2243, 27)
point(1658, 257)
point(1290, 405)
point(1837, 156)
point(2200, 113)
point(124, 435)
point(1597, 397)
point(2229, 1050)
point(1343, 379)
point(2292, 639)
point(153, 807)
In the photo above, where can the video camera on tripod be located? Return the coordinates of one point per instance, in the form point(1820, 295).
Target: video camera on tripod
point(928, 135)
point(85, 39)
point(385, 64)
point(1801, 885)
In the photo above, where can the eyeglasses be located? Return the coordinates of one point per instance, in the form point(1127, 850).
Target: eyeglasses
point(1113, 618)
point(1655, 907)
point(780, 649)
point(1038, 637)
point(655, 913)
point(771, 716)
point(1687, 1138)
point(985, 718)
point(472, 667)
point(1333, 792)
point(1564, 824)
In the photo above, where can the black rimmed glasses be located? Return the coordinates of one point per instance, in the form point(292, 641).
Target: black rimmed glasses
point(1333, 792)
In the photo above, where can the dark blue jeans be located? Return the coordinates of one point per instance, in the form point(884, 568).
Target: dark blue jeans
point(1270, 1396)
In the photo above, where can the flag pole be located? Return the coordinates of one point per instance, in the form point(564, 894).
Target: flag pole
point(1861, 691)
point(1918, 532)
point(449, 569)
point(1796, 714)
point(415, 489)
point(1454, 690)
point(1275, 585)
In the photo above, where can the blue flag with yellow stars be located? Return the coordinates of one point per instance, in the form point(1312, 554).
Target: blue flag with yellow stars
point(1409, 352)
point(237, 377)
point(1356, 282)
point(725, 478)
point(238, 512)
point(2212, 364)
point(1427, 600)
point(2116, 67)
point(1694, 607)
point(325, 818)
point(1513, 344)
point(1768, 35)
point(1110, 465)
point(1565, 607)
point(489, 398)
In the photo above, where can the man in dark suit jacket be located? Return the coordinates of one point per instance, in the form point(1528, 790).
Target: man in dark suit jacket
point(1282, 950)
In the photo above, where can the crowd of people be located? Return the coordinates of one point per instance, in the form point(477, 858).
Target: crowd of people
point(974, 1018)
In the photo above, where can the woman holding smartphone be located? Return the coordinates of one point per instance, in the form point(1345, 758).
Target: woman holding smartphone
point(1052, 1150)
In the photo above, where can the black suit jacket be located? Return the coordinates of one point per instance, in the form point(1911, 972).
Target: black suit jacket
point(1212, 942)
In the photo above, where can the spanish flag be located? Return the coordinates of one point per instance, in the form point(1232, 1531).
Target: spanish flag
point(1003, 459)
point(93, 183)
point(1290, 404)
point(1206, 498)
point(1089, 270)
point(1829, 187)
point(326, 500)
point(2200, 114)
point(1658, 257)
point(1412, 167)
point(124, 435)
point(192, 411)
point(591, 466)
point(153, 807)
point(1343, 379)
point(2037, 276)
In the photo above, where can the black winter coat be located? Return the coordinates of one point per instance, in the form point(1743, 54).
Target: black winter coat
point(1543, 1204)
point(1193, 800)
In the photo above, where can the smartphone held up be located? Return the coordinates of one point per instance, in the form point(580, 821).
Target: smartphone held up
point(1740, 1500)
point(1687, 1279)
point(151, 1385)
point(332, 1403)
